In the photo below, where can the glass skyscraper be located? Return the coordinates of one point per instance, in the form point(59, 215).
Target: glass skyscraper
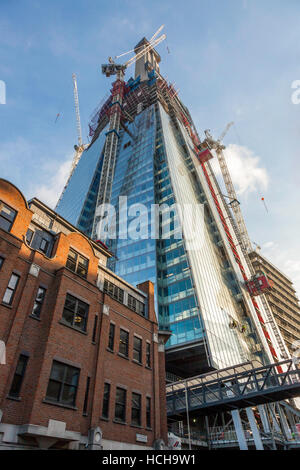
point(199, 290)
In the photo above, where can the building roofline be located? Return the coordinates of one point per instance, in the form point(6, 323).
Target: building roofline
point(17, 189)
point(61, 219)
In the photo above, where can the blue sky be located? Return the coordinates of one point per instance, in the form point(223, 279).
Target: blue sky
point(232, 60)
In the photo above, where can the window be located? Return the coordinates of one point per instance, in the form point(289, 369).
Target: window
point(120, 405)
point(29, 235)
point(37, 307)
point(136, 305)
point(77, 263)
point(111, 337)
point(124, 342)
point(148, 412)
point(1, 261)
point(114, 291)
point(63, 383)
point(148, 354)
point(19, 376)
point(95, 328)
point(105, 404)
point(86, 396)
point(11, 289)
point(75, 312)
point(7, 216)
point(136, 409)
point(137, 349)
point(44, 245)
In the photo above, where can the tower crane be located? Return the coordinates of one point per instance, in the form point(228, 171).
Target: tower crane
point(234, 204)
point(112, 135)
point(80, 147)
point(258, 282)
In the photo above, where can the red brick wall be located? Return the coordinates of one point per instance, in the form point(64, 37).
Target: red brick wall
point(47, 339)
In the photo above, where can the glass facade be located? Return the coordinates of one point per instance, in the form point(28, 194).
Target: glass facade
point(79, 199)
point(197, 293)
point(135, 259)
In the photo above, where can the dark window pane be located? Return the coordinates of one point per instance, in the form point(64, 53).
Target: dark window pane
point(8, 213)
point(5, 224)
point(68, 395)
point(7, 216)
point(81, 271)
point(71, 265)
point(37, 307)
point(63, 389)
point(40, 294)
point(137, 349)
point(18, 377)
point(53, 390)
point(148, 412)
point(86, 397)
point(106, 396)
point(70, 303)
point(71, 375)
point(81, 308)
point(72, 255)
point(68, 316)
point(120, 408)
point(124, 339)
point(114, 291)
point(95, 328)
point(36, 311)
point(111, 339)
point(57, 371)
point(75, 312)
point(77, 263)
point(83, 261)
point(29, 236)
point(148, 354)
point(1, 261)
point(44, 245)
point(136, 409)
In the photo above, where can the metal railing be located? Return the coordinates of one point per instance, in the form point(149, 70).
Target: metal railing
point(218, 436)
point(255, 385)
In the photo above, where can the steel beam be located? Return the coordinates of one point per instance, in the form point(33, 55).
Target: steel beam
point(239, 430)
point(255, 431)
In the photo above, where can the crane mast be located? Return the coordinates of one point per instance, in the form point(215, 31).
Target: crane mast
point(234, 204)
point(78, 124)
point(245, 241)
point(80, 147)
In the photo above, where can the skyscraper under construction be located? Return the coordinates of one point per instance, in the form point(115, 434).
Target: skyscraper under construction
point(144, 146)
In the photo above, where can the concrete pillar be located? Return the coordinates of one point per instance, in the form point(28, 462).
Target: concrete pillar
point(273, 418)
point(284, 422)
point(264, 418)
point(255, 431)
point(239, 430)
point(291, 419)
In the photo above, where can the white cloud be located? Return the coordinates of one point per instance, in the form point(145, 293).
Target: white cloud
point(56, 177)
point(46, 176)
point(244, 168)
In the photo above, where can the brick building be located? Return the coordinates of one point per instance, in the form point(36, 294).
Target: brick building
point(84, 357)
